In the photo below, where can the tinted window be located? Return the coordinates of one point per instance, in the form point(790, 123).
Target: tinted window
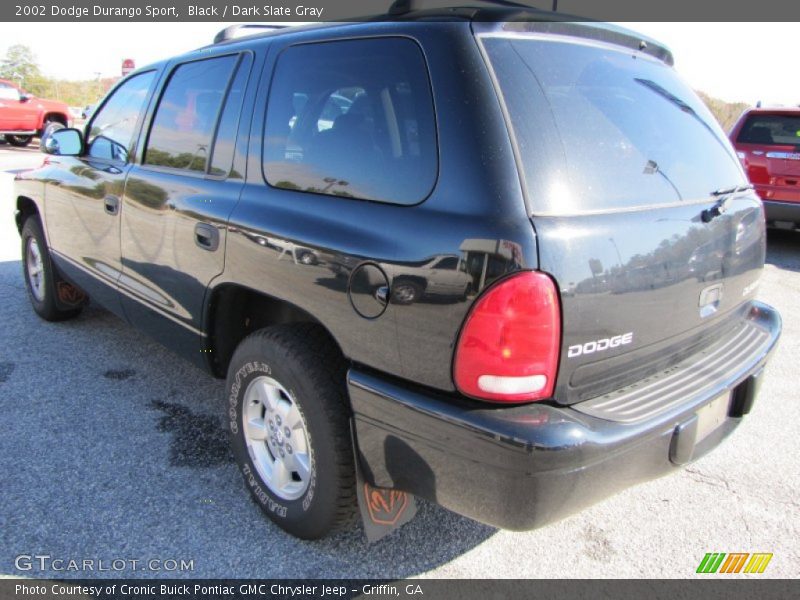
point(604, 128)
point(184, 123)
point(222, 157)
point(352, 118)
point(450, 262)
point(113, 126)
point(771, 130)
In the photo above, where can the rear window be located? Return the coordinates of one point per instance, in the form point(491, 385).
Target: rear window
point(352, 118)
point(602, 128)
point(771, 130)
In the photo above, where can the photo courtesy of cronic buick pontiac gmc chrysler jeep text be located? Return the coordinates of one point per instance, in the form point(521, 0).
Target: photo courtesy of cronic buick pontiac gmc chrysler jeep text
point(497, 261)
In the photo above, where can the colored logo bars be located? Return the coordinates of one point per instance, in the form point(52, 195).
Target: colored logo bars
point(736, 562)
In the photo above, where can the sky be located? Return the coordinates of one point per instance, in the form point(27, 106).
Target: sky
point(732, 61)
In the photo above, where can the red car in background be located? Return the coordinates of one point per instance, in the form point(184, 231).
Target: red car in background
point(22, 116)
point(767, 141)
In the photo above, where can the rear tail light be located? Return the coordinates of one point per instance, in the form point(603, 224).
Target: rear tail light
point(509, 346)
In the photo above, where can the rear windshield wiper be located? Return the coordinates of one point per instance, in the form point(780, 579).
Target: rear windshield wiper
point(720, 206)
point(732, 190)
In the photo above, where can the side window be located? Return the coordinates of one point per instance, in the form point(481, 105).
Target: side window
point(110, 135)
point(8, 92)
point(352, 118)
point(222, 156)
point(187, 114)
point(449, 262)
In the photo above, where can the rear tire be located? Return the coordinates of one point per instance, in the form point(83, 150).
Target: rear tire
point(290, 428)
point(39, 274)
point(20, 141)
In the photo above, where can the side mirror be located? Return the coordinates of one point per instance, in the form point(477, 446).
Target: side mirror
point(24, 97)
point(64, 142)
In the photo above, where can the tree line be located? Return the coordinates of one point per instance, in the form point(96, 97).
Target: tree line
point(21, 67)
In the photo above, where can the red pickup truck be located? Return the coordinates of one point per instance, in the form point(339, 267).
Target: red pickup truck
point(23, 116)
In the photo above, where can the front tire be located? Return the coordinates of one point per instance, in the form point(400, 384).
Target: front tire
point(406, 292)
point(39, 274)
point(290, 429)
point(48, 129)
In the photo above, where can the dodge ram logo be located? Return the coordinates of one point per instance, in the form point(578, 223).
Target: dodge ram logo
point(385, 506)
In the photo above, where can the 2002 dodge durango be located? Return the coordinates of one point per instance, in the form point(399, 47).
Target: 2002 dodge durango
point(497, 261)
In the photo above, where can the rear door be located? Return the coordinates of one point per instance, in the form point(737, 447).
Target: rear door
point(179, 196)
point(620, 162)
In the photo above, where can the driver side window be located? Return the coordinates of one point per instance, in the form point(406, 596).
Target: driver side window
point(110, 135)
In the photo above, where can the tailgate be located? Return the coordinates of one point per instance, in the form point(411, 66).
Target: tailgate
point(630, 185)
point(642, 291)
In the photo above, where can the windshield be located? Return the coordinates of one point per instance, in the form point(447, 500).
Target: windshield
point(601, 128)
point(771, 130)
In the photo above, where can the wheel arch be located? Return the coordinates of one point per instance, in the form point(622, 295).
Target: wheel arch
point(233, 312)
point(55, 116)
point(25, 208)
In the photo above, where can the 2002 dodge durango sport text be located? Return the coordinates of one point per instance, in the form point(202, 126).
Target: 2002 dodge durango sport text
point(497, 261)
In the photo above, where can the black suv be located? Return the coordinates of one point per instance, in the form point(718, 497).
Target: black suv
point(497, 261)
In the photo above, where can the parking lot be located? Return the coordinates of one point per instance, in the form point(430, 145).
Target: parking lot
point(112, 448)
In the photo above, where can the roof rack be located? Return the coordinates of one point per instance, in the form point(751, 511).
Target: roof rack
point(403, 7)
point(229, 33)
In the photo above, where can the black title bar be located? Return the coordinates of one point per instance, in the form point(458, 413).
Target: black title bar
point(345, 10)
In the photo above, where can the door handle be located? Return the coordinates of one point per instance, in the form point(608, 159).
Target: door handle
point(206, 236)
point(111, 204)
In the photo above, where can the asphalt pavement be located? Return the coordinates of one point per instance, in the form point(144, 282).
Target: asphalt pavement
point(113, 449)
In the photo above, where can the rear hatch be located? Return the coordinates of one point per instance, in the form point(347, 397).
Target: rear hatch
point(768, 144)
point(624, 170)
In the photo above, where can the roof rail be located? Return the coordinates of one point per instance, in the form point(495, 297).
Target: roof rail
point(229, 33)
point(402, 7)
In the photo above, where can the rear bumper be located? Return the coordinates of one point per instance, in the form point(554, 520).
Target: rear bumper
point(525, 466)
point(777, 210)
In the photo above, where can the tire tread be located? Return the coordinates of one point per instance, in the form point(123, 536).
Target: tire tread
point(309, 345)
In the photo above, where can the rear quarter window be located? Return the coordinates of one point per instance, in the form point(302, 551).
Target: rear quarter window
point(352, 118)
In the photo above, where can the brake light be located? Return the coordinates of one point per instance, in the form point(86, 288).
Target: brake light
point(509, 346)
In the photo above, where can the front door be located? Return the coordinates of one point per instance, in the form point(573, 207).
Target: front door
point(83, 208)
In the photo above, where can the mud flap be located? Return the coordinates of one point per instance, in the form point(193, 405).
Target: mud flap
point(67, 295)
point(382, 509)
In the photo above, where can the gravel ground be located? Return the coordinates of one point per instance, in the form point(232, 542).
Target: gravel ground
point(112, 448)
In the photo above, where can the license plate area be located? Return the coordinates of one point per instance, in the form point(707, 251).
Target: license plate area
point(712, 416)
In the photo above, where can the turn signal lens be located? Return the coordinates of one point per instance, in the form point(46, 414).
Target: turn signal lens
point(509, 346)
